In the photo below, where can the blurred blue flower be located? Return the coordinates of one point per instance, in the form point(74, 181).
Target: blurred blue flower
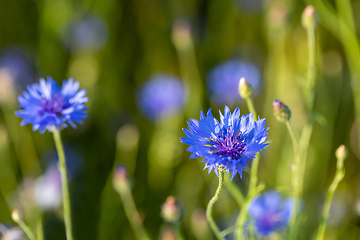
point(16, 72)
point(89, 33)
point(161, 96)
point(228, 143)
point(17, 66)
point(270, 212)
point(45, 104)
point(47, 189)
point(223, 80)
point(251, 5)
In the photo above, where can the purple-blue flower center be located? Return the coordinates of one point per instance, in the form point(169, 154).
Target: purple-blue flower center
point(54, 105)
point(229, 144)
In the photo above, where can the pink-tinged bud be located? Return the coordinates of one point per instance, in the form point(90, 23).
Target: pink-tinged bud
point(309, 17)
point(15, 215)
point(172, 210)
point(341, 153)
point(120, 179)
point(281, 111)
point(181, 34)
point(246, 91)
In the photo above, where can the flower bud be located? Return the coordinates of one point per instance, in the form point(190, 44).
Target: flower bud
point(181, 34)
point(15, 215)
point(309, 17)
point(120, 179)
point(281, 111)
point(172, 211)
point(246, 91)
point(341, 153)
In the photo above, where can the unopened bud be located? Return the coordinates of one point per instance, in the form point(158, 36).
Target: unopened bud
point(309, 17)
point(281, 111)
point(181, 34)
point(15, 215)
point(246, 91)
point(172, 211)
point(120, 179)
point(341, 153)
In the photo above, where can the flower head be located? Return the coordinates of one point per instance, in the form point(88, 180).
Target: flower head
point(228, 143)
point(270, 212)
point(161, 96)
point(45, 104)
point(223, 80)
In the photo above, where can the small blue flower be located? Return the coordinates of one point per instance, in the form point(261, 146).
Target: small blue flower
point(45, 104)
point(161, 96)
point(228, 143)
point(270, 212)
point(223, 80)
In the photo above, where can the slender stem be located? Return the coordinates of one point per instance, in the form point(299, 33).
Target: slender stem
point(227, 231)
point(179, 235)
point(311, 71)
point(132, 214)
point(253, 189)
point(25, 228)
point(40, 228)
point(64, 183)
point(295, 177)
point(339, 175)
point(234, 191)
point(211, 203)
point(251, 107)
point(240, 222)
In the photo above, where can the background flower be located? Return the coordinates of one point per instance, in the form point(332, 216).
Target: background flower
point(88, 33)
point(45, 104)
point(223, 80)
point(161, 96)
point(228, 143)
point(270, 212)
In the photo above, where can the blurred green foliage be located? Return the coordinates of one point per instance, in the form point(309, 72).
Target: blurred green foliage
point(139, 44)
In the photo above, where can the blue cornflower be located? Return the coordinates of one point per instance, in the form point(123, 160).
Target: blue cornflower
point(161, 96)
point(223, 80)
point(270, 212)
point(45, 104)
point(228, 143)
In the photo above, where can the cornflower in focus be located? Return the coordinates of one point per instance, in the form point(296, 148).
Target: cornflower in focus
point(270, 212)
point(161, 96)
point(228, 143)
point(223, 80)
point(45, 105)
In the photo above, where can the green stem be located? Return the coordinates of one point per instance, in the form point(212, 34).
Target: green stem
point(295, 177)
point(132, 214)
point(234, 191)
point(240, 222)
point(25, 228)
point(40, 228)
point(64, 183)
point(211, 203)
point(255, 163)
point(339, 175)
point(311, 72)
point(179, 235)
point(253, 189)
point(227, 231)
point(251, 107)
